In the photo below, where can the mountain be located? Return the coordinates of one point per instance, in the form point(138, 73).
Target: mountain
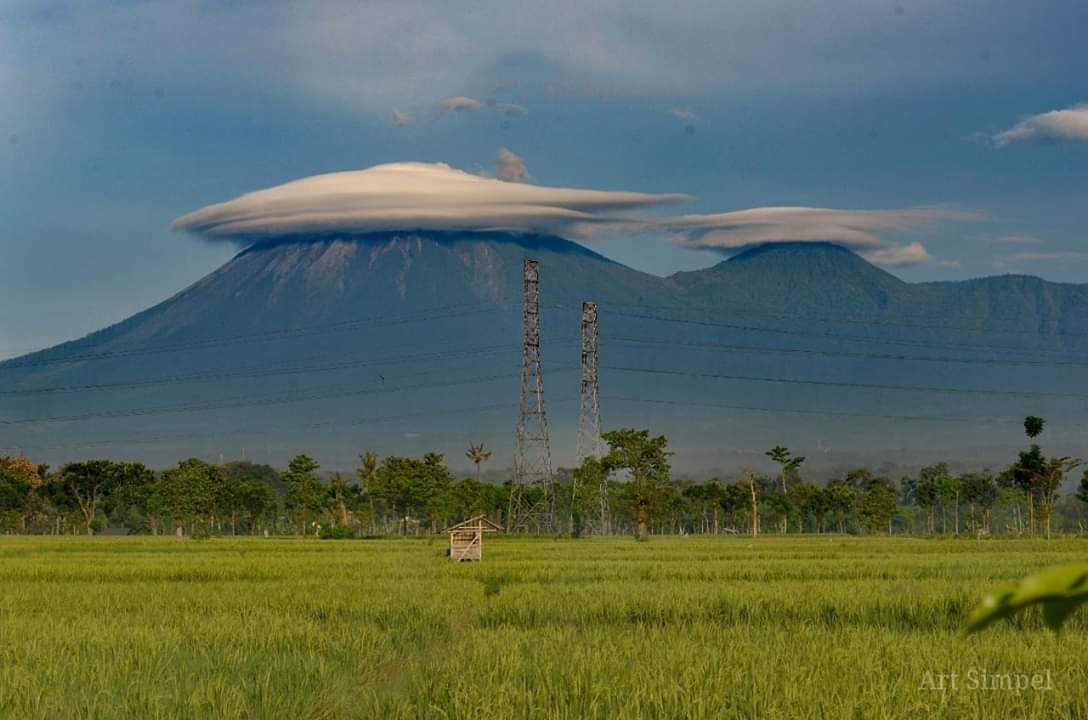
point(795, 278)
point(808, 279)
point(410, 341)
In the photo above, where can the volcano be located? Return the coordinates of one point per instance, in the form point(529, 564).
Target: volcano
point(404, 342)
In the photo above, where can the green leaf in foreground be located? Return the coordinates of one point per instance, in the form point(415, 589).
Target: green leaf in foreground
point(1060, 591)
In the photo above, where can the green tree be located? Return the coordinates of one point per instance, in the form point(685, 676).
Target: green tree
point(588, 482)
point(229, 499)
point(1050, 484)
point(779, 503)
point(734, 502)
point(90, 482)
point(251, 472)
point(1082, 490)
point(470, 497)
point(436, 489)
point(406, 485)
point(368, 477)
point(878, 505)
point(1033, 426)
point(260, 503)
point(188, 494)
point(949, 489)
point(841, 498)
point(1028, 471)
point(931, 480)
point(1010, 497)
point(341, 490)
point(980, 492)
point(307, 497)
point(127, 504)
point(790, 464)
point(699, 498)
point(1027, 474)
point(646, 459)
point(15, 493)
point(810, 502)
point(1082, 493)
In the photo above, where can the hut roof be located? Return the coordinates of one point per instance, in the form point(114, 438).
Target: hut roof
point(478, 522)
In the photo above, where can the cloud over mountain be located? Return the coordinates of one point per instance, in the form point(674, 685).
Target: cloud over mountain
point(416, 196)
point(859, 230)
point(899, 255)
point(434, 196)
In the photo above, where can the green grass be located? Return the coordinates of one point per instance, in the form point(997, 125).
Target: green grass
point(806, 627)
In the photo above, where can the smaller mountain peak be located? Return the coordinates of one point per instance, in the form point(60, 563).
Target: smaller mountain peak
point(795, 276)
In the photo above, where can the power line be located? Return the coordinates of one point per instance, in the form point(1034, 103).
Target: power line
point(264, 336)
point(306, 426)
point(851, 321)
point(831, 383)
point(833, 413)
point(275, 370)
point(842, 353)
point(834, 336)
point(255, 400)
point(260, 371)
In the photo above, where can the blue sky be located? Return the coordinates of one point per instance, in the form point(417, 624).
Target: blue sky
point(119, 117)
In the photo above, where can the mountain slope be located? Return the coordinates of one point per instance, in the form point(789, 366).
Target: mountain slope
point(796, 277)
point(410, 341)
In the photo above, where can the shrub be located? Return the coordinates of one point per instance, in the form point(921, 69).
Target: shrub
point(340, 532)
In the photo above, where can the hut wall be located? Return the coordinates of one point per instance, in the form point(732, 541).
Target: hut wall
point(465, 545)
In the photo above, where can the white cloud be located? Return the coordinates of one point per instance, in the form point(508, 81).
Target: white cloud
point(684, 114)
point(412, 195)
point(1070, 124)
point(511, 109)
point(459, 103)
point(374, 55)
point(859, 230)
point(509, 167)
point(899, 255)
point(1019, 259)
point(401, 119)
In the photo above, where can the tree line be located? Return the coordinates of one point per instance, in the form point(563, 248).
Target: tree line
point(628, 490)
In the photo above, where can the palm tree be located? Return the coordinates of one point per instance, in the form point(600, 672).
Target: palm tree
point(1032, 463)
point(477, 455)
point(339, 488)
point(368, 473)
point(790, 463)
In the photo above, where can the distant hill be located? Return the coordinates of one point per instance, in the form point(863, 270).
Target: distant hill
point(409, 341)
point(826, 280)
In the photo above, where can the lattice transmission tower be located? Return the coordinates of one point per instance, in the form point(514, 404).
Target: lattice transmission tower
point(590, 443)
point(532, 494)
point(589, 419)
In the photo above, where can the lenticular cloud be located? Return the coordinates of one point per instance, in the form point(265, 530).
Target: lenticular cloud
point(413, 196)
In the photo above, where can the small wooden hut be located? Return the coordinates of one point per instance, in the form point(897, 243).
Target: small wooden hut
point(467, 538)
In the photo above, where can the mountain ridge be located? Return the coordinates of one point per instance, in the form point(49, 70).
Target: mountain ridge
point(429, 322)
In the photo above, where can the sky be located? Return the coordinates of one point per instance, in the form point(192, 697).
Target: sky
point(945, 139)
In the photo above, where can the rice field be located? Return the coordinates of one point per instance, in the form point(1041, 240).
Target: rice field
point(794, 627)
